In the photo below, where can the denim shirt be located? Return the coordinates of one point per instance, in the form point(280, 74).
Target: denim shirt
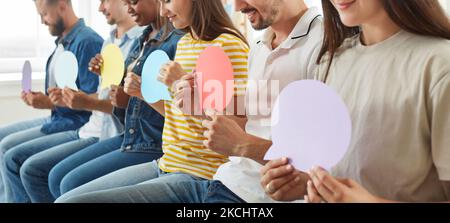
point(143, 124)
point(85, 43)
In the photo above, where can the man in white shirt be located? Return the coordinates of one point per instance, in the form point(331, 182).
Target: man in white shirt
point(286, 53)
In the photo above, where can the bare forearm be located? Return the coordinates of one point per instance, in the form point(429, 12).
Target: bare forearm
point(96, 104)
point(48, 106)
point(104, 106)
point(254, 148)
point(240, 120)
point(44, 104)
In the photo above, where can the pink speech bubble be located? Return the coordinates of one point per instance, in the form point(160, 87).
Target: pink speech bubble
point(215, 79)
point(311, 125)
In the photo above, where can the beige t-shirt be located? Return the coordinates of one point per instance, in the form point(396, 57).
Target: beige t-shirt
point(398, 94)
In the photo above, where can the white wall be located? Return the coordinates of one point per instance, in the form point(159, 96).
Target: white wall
point(12, 107)
point(446, 4)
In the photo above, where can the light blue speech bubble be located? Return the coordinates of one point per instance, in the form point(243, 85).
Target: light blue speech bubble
point(152, 89)
point(66, 70)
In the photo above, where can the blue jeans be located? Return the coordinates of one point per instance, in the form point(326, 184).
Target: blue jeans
point(127, 176)
point(160, 187)
point(16, 156)
point(93, 162)
point(34, 172)
point(5, 191)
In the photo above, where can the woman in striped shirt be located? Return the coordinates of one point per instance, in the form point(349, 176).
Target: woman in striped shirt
point(185, 157)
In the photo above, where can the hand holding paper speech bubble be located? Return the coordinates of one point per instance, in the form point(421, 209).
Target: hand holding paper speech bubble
point(311, 125)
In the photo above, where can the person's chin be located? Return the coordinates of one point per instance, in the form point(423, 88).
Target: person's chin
point(255, 25)
point(258, 26)
point(350, 22)
point(141, 23)
point(179, 25)
point(53, 32)
point(136, 19)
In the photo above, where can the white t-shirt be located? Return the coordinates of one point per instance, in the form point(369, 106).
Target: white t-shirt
point(102, 125)
point(117, 41)
point(51, 78)
point(294, 59)
point(93, 128)
point(398, 94)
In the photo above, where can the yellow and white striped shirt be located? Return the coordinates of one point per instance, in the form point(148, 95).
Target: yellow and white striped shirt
point(183, 134)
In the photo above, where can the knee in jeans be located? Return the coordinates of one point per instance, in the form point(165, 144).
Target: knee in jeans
point(69, 183)
point(11, 161)
point(3, 146)
point(53, 179)
point(29, 169)
point(2, 135)
point(6, 144)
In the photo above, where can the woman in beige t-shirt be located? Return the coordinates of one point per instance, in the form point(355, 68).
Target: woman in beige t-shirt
point(390, 62)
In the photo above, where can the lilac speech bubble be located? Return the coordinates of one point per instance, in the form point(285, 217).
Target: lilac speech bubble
point(311, 125)
point(26, 77)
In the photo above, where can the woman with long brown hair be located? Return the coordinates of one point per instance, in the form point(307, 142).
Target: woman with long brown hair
point(186, 159)
point(390, 62)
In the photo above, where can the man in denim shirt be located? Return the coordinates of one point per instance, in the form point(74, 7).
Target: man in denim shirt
point(102, 125)
point(73, 35)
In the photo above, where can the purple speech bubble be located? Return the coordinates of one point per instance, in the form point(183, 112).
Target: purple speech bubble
point(26, 77)
point(311, 125)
